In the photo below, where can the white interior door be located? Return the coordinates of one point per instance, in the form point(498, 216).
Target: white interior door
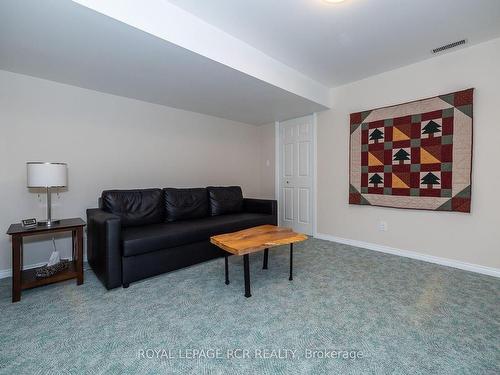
point(296, 145)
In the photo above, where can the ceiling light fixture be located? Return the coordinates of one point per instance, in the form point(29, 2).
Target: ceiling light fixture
point(333, 1)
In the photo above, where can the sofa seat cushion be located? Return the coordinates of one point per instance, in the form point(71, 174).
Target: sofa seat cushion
point(141, 240)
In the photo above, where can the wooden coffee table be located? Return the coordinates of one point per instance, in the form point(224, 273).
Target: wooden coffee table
point(253, 240)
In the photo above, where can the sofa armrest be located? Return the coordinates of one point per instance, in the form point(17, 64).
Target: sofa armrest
point(103, 246)
point(261, 206)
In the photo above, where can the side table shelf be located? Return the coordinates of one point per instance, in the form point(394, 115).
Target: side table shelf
point(29, 280)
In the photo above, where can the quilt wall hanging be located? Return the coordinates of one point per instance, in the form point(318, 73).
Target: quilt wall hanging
point(414, 155)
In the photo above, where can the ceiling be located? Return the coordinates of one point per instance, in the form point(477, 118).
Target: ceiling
point(62, 41)
point(254, 61)
point(339, 43)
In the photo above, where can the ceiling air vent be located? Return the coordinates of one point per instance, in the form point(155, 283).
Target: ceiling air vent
point(449, 46)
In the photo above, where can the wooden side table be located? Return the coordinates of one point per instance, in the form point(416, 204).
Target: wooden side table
point(26, 279)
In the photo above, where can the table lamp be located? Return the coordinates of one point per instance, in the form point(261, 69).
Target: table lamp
point(47, 175)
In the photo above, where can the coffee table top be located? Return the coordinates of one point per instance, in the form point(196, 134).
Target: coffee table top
point(256, 239)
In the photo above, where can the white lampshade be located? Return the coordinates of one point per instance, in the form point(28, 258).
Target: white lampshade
point(47, 174)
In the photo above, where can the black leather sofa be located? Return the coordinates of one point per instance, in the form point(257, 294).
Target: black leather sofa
point(136, 234)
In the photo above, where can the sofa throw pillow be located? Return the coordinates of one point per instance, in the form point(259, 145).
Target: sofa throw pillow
point(183, 204)
point(225, 200)
point(135, 207)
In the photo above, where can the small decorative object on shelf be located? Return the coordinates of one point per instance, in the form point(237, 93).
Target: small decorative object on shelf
point(47, 271)
point(54, 257)
point(55, 264)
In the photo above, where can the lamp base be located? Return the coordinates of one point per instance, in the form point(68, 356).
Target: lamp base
point(48, 224)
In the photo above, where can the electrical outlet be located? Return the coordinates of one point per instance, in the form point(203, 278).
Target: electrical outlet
point(382, 226)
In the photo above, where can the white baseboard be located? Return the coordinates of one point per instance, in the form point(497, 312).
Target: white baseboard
point(495, 272)
point(8, 271)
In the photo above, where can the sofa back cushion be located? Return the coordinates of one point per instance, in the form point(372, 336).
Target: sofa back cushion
point(135, 207)
point(225, 200)
point(183, 204)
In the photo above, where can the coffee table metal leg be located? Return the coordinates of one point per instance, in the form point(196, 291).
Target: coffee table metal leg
point(246, 268)
point(266, 257)
point(291, 262)
point(227, 269)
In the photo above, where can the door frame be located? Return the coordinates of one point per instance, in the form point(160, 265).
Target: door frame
point(277, 169)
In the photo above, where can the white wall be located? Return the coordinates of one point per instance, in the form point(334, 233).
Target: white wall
point(267, 160)
point(472, 238)
point(108, 142)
